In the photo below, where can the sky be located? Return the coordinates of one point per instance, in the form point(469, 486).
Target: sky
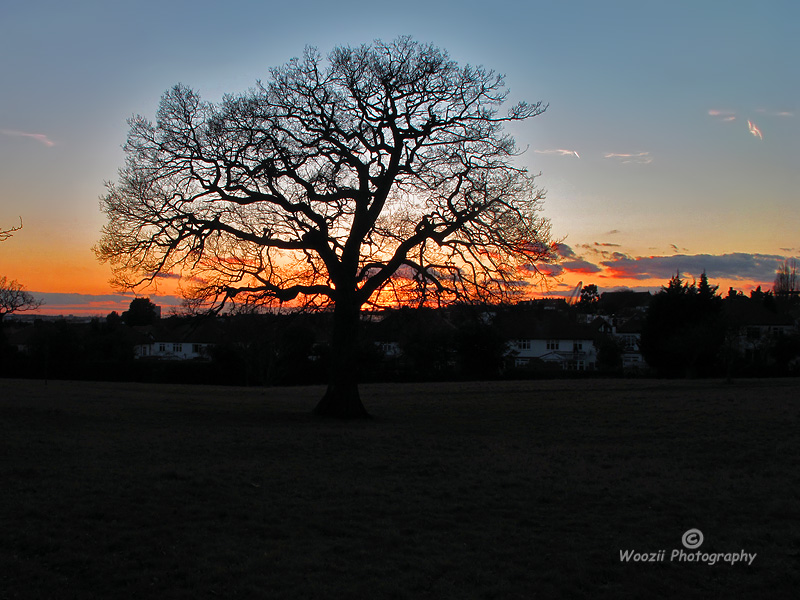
point(671, 141)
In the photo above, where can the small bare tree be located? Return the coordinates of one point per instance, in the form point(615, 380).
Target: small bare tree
point(380, 176)
point(785, 285)
point(14, 298)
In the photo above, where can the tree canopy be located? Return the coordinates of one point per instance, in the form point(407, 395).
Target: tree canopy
point(378, 176)
point(141, 311)
point(684, 328)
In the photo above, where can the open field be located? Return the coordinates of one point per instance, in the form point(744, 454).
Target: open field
point(468, 490)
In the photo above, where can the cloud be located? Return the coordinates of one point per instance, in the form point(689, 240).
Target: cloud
point(548, 269)
point(775, 113)
point(559, 152)
point(564, 251)
point(755, 130)
point(94, 304)
point(39, 137)
point(722, 115)
point(729, 115)
point(179, 277)
point(639, 158)
point(580, 266)
point(736, 266)
point(596, 249)
point(573, 262)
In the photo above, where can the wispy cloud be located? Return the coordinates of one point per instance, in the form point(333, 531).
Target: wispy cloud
point(597, 250)
point(723, 115)
point(676, 249)
point(755, 130)
point(775, 113)
point(728, 115)
point(559, 152)
point(39, 137)
point(639, 158)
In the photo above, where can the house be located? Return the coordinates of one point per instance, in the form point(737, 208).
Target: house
point(754, 328)
point(629, 334)
point(550, 338)
point(178, 341)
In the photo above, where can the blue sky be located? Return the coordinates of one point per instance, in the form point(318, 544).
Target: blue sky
point(645, 150)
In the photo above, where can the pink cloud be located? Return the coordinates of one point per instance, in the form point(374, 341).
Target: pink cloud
point(559, 152)
point(755, 130)
point(638, 158)
point(39, 137)
point(724, 115)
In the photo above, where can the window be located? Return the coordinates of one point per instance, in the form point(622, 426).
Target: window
point(177, 347)
point(162, 348)
point(523, 344)
point(389, 348)
point(577, 346)
point(552, 344)
point(197, 349)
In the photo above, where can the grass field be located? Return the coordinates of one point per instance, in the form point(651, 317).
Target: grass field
point(468, 490)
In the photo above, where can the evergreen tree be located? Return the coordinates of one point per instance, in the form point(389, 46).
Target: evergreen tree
point(684, 329)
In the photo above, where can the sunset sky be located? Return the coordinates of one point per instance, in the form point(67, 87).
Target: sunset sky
point(671, 141)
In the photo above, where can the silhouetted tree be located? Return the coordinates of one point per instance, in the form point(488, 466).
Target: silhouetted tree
point(766, 299)
point(590, 297)
point(684, 329)
point(610, 351)
point(479, 346)
point(14, 298)
point(380, 176)
point(141, 311)
point(786, 283)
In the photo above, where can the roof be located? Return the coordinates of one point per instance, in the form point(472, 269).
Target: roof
point(552, 326)
point(193, 332)
point(746, 312)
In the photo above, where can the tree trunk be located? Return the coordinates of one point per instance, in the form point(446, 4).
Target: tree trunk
point(342, 399)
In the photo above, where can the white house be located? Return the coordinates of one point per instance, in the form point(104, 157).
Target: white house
point(183, 342)
point(552, 339)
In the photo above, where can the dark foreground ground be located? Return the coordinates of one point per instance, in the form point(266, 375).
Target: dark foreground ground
point(473, 490)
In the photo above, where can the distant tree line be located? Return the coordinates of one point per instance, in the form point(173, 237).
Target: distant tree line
point(687, 330)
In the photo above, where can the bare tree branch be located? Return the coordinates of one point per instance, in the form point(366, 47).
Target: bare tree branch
point(7, 233)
